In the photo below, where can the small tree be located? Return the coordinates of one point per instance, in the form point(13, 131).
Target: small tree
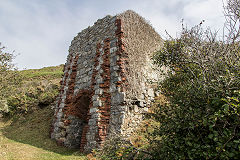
point(202, 118)
point(9, 78)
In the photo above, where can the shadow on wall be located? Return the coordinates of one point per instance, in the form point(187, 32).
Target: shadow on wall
point(33, 129)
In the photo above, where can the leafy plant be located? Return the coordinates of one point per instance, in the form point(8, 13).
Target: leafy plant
point(118, 147)
point(201, 120)
point(23, 91)
point(9, 79)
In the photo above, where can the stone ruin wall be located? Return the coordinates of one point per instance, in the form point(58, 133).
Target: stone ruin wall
point(140, 41)
point(105, 84)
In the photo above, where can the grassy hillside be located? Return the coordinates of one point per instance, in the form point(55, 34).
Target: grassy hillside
point(37, 88)
point(49, 73)
point(26, 135)
point(27, 138)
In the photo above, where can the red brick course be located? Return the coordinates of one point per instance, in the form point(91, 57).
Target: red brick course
point(123, 58)
point(104, 110)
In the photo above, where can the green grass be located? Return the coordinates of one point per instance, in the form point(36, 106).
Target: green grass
point(27, 138)
point(36, 88)
point(46, 72)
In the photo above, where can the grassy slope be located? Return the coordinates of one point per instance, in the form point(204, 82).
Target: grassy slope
point(27, 137)
point(48, 73)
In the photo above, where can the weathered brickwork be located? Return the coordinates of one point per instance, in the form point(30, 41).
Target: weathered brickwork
point(97, 95)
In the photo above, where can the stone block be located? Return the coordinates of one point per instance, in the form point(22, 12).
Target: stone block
point(98, 67)
point(113, 43)
point(114, 120)
point(114, 74)
point(56, 128)
point(85, 79)
point(60, 114)
point(135, 108)
point(63, 133)
point(115, 68)
point(57, 135)
point(141, 96)
point(99, 91)
point(101, 71)
point(157, 93)
point(119, 109)
point(113, 49)
point(118, 98)
point(82, 71)
point(140, 104)
point(115, 59)
point(95, 115)
point(99, 80)
point(145, 109)
point(92, 122)
point(95, 97)
point(117, 79)
point(150, 92)
point(97, 103)
point(90, 72)
point(96, 87)
point(100, 60)
point(112, 88)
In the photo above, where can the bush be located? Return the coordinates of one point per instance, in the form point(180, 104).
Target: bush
point(31, 96)
point(201, 120)
point(24, 91)
point(117, 147)
point(9, 80)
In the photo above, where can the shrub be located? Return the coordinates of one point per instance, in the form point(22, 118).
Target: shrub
point(9, 80)
point(201, 120)
point(117, 147)
point(23, 91)
point(31, 96)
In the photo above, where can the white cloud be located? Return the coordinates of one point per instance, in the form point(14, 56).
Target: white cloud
point(42, 30)
point(209, 10)
point(40, 34)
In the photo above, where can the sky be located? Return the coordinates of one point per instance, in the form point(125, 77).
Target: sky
point(40, 31)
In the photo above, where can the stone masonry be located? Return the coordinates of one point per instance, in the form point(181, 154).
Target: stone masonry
point(107, 82)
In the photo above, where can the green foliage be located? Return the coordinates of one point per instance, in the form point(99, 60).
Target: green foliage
point(23, 91)
point(5, 60)
point(114, 148)
point(37, 90)
point(117, 148)
point(10, 79)
point(34, 94)
point(201, 120)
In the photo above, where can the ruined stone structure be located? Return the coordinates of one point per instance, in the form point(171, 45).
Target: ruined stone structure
point(107, 82)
